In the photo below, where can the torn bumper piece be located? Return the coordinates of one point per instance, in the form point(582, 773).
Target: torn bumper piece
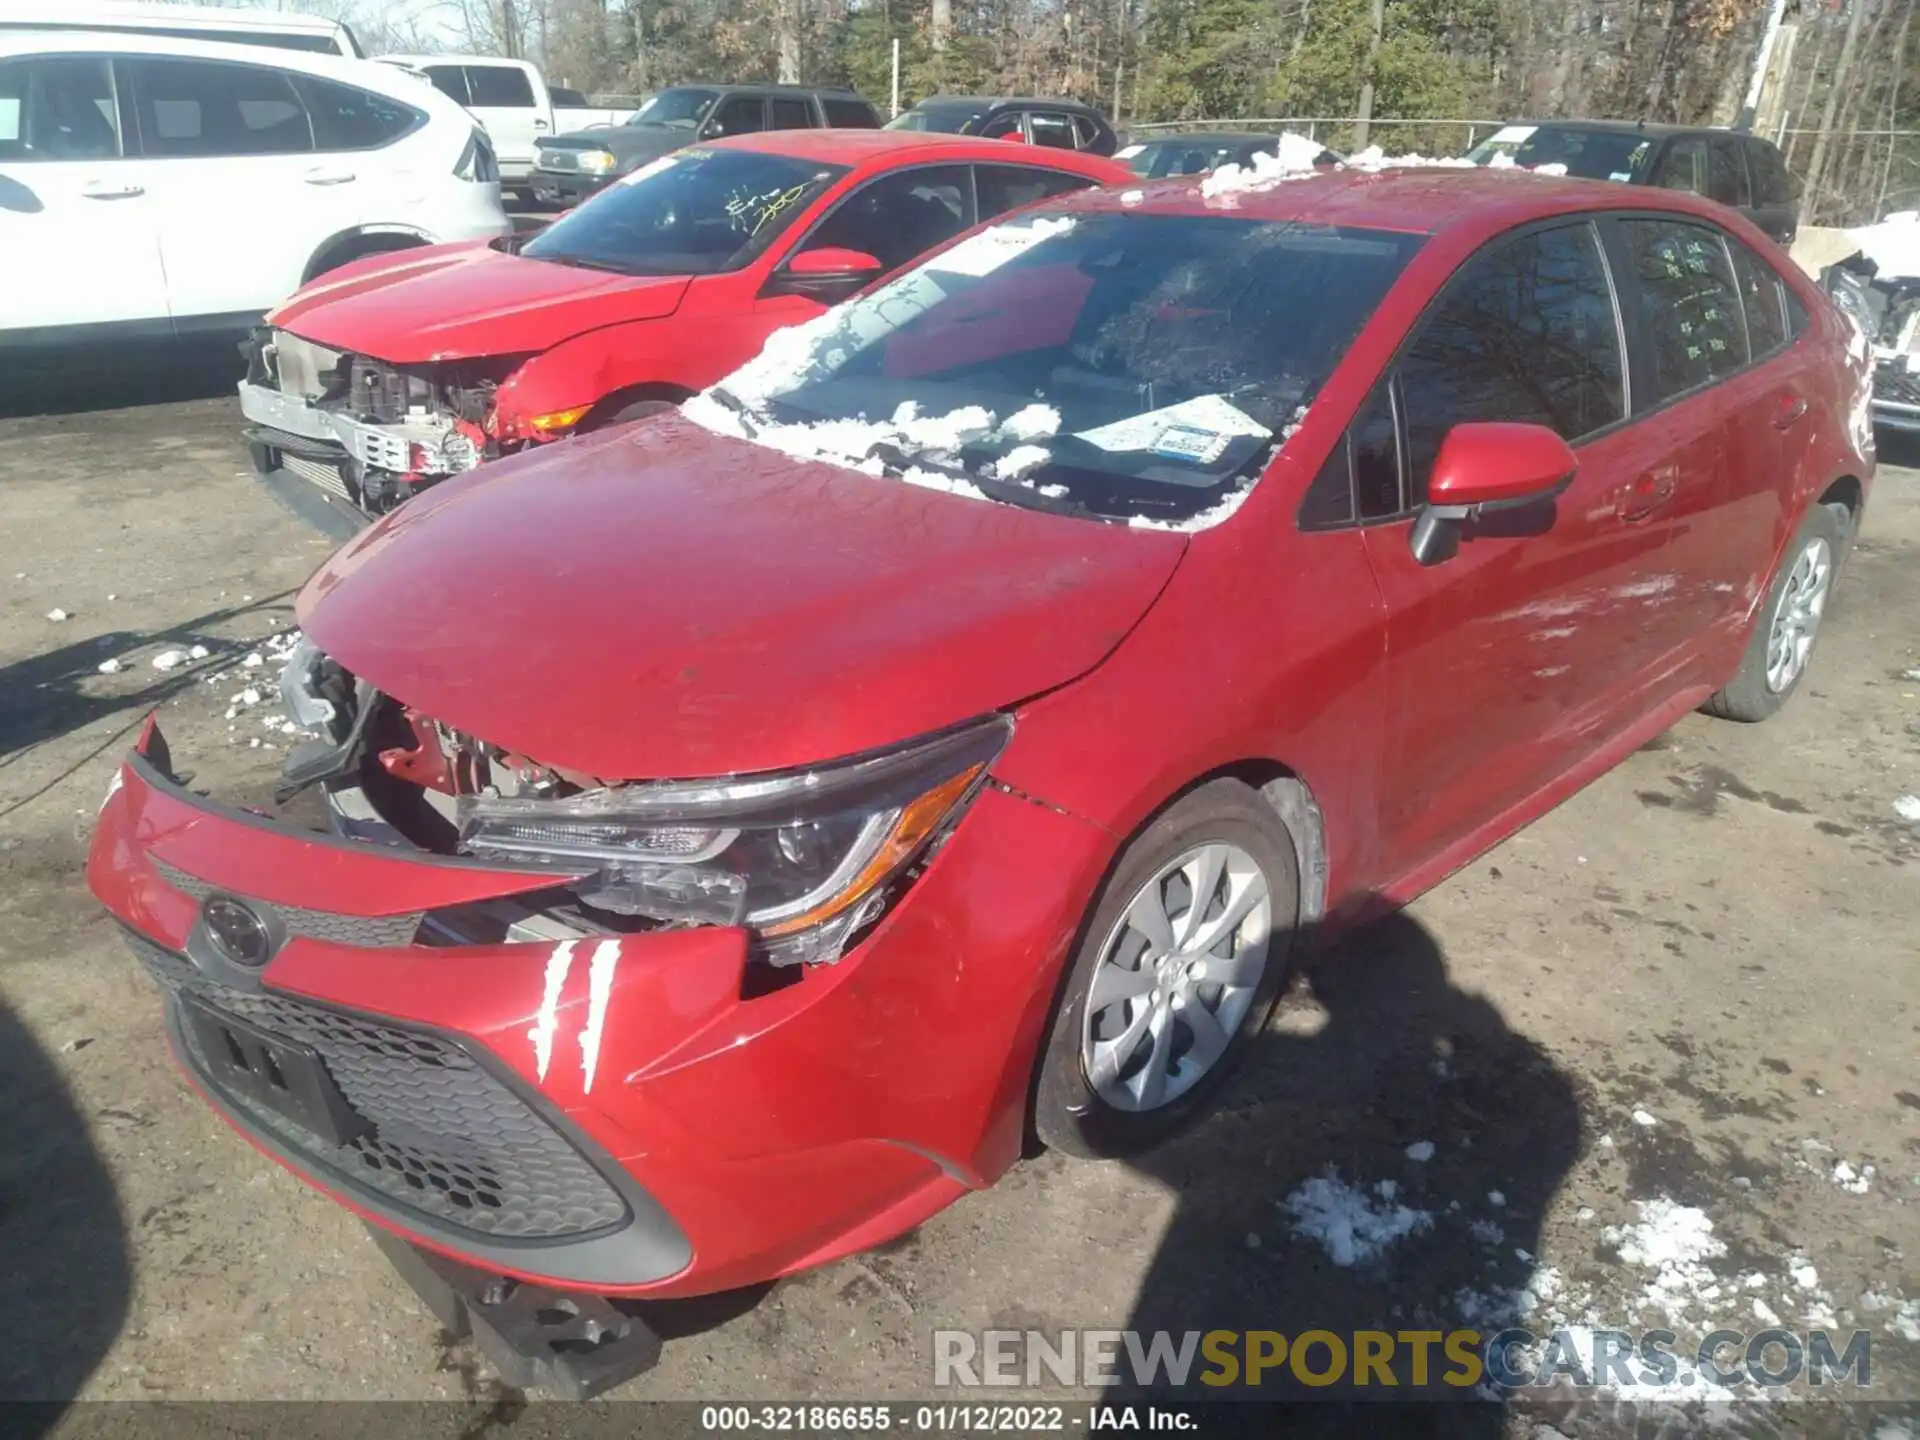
point(423, 445)
point(576, 1346)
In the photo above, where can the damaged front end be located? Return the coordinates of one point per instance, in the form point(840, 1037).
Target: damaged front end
point(804, 861)
point(363, 433)
point(1887, 310)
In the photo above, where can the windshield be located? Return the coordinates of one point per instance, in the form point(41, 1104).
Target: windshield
point(946, 119)
point(1160, 159)
point(693, 212)
point(673, 107)
point(1120, 366)
point(1588, 154)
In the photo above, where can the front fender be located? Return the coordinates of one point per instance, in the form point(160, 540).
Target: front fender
point(583, 371)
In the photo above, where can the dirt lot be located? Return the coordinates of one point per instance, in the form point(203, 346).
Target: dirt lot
point(1694, 983)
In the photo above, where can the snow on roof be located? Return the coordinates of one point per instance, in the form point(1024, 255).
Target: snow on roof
point(1893, 244)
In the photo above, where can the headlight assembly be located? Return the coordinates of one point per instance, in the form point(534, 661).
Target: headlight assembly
point(801, 858)
point(596, 162)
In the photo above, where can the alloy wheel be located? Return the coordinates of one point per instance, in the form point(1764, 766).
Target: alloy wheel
point(1796, 618)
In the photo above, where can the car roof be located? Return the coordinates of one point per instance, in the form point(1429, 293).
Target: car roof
point(1418, 200)
point(457, 60)
point(954, 102)
point(1638, 127)
point(769, 88)
point(864, 147)
point(88, 14)
point(348, 69)
point(1204, 137)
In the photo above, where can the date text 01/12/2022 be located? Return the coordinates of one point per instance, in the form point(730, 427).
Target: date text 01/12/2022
point(960, 1419)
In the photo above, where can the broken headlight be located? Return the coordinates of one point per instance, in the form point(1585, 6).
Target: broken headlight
point(801, 858)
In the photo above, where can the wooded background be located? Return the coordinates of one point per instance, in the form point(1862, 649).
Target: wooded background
point(1844, 80)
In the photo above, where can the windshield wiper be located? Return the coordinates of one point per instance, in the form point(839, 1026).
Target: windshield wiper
point(897, 462)
point(739, 408)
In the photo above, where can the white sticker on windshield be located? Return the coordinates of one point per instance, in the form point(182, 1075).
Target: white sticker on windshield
point(1513, 134)
point(1128, 152)
point(650, 169)
point(986, 252)
point(1205, 414)
point(1190, 443)
point(1621, 175)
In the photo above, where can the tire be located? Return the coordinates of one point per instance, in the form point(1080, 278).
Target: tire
point(1128, 1109)
point(631, 410)
point(1777, 658)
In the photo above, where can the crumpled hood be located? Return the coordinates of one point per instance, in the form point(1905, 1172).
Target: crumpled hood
point(456, 302)
point(662, 602)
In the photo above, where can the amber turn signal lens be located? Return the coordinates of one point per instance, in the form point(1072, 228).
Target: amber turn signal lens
point(559, 420)
point(918, 820)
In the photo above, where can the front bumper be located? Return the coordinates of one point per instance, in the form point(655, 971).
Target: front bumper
point(733, 1134)
point(427, 446)
point(559, 187)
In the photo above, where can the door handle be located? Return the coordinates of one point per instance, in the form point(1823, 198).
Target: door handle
point(1787, 409)
point(101, 190)
point(539, 124)
point(1644, 494)
point(327, 177)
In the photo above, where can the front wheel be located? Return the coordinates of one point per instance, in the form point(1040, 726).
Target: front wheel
point(1178, 969)
point(1782, 642)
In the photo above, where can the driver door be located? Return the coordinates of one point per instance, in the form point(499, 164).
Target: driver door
point(1514, 659)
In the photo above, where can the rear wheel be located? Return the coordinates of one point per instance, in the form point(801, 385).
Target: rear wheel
point(1178, 968)
point(1783, 637)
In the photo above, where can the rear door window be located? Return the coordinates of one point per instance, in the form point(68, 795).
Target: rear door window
point(1690, 307)
point(1525, 332)
point(1683, 166)
point(1727, 173)
point(789, 112)
point(1002, 125)
point(57, 107)
point(346, 117)
point(451, 81)
point(500, 87)
point(850, 114)
point(204, 108)
point(1086, 132)
point(1005, 187)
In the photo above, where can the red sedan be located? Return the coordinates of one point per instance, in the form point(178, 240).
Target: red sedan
point(948, 724)
point(393, 373)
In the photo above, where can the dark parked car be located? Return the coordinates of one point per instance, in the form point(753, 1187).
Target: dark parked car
point(1741, 171)
point(570, 167)
point(1063, 124)
point(1202, 152)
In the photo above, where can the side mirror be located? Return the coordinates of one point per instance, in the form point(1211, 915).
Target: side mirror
point(828, 274)
point(1490, 469)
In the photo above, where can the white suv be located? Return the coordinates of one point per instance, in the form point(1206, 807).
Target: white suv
point(152, 186)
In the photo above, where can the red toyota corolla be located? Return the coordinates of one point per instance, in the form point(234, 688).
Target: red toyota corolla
point(749, 824)
point(393, 373)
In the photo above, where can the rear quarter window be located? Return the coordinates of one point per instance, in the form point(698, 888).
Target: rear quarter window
point(346, 117)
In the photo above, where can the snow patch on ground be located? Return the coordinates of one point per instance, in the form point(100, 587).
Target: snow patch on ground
point(1352, 1225)
point(1674, 1242)
point(1420, 1151)
point(1854, 1182)
point(1907, 807)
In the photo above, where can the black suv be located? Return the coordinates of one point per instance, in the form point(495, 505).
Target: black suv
point(1062, 124)
point(1741, 171)
point(568, 168)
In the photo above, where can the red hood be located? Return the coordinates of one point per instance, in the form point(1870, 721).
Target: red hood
point(456, 302)
point(660, 602)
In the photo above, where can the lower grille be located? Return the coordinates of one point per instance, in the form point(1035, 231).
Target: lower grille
point(448, 1139)
point(317, 472)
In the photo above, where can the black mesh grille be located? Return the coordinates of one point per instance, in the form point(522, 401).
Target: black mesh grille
point(449, 1139)
point(1893, 381)
point(369, 930)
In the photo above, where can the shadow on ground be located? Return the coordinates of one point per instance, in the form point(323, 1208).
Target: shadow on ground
point(1391, 1056)
point(64, 1265)
point(146, 373)
point(62, 690)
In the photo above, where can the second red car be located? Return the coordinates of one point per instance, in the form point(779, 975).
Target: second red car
point(397, 371)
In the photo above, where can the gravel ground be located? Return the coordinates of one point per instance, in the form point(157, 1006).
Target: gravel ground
point(1691, 986)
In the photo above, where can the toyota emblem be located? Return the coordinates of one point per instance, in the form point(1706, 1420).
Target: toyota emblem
point(237, 933)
